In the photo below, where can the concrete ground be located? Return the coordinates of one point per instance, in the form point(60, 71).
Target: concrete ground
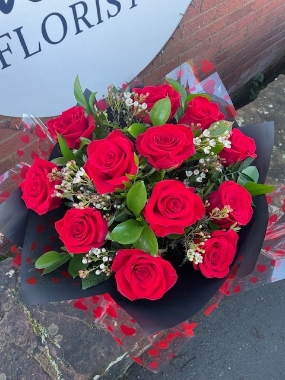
point(243, 339)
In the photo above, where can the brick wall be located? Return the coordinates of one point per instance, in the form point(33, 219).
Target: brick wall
point(241, 37)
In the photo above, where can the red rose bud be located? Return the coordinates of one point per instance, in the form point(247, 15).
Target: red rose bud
point(82, 229)
point(156, 93)
point(241, 148)
point(237, 198)
point(220, 250)
point(140, 275)
point(72, 124)
point(172, 207)
point(37, 189)
point(166, 146)
point(109, 160)
point(201, 111)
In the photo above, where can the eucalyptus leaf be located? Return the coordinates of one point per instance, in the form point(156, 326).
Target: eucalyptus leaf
point(245, 163)
point(127, 232)
point(160, 112)
point(78, 93)
point(136, 129)
point(65, 151)
point(93, 279)
point(137, 197)
point(75, 265)
point(258, 189)
point(178, 87)
point(220, 127)
point(147, 242)
point(252, 172)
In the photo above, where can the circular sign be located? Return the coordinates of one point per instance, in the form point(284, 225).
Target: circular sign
point(45, 44)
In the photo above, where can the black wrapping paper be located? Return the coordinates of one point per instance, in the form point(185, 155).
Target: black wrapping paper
point(191, 292)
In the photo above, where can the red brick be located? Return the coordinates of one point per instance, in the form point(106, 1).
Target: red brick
point(227, 7)
point(209, 4)
point(248, 19)
point(211, 29)
point(239, 13)
point(199, 22)
point(196, 52)
point(233, 39)
point(191, 13)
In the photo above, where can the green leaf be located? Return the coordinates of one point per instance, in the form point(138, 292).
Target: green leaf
point(245, 163)
point(220, 127)
point(178, 87)
point(127, 232)
point(60, 161)
point(75, 265)
point(243, 179)
point(160, 112)
point(137, 197)
point(91, 101)
point(93, 279)
point(258, 189)
point(175, 236)
point(217, 148)
point(252, 172)
point(192, 96)
point(136, 129)
point(78, 93)
point(213, 226)
point(51, 260)
point(66, 152)
point(137, 161)
point(147, 242)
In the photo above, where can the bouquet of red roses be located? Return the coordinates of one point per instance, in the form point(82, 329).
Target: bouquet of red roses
point(147, 180)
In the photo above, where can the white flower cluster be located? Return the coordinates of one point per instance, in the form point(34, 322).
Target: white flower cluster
point(194, 256)
point(101, 255)
point(130, 102)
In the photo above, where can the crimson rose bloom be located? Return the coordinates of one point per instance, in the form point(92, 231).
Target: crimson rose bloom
point(140, 275)
point(238, 198)
point(220, 250)
point(38, 189)
point(241, 148)
point(82, 229)
point(172, 207)
point(201, 110)
point(155, 94)
point(72, 124)
point(109, 160)
point(166, 146)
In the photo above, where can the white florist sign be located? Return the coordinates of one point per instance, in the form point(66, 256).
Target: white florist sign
point(45, 44)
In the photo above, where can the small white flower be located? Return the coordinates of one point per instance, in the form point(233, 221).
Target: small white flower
point(201, 161)
point(127, 95)
point(105, 258)
point(203, 175)
point(212, 143)
point(136, 103)
point(84, 261)
point(207, 150)
point(189, 173)
point(97, 272)
point(197, 141)
point(144, 106)
point(102, 266)
point(227, 144)
point(199, 179)
point(129, 102)
point(206, 133)
point(196, 172)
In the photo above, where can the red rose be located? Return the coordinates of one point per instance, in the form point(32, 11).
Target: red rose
point(237, 198)
point(166, 146)
point(220, 251)
point(172, 207)
point(109, 160)
point(155, 93)
point(201, 111)
point(38, 189)
point(140, 275)
point(241, 148)
point(72, 124)
point(82, 229)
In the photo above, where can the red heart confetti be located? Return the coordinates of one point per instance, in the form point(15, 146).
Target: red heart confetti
point(112, 312)
point(31, 281)
point(210, 309)
point(128, 331)
point(98, 312)
point(153, 352)
point(207, 66)
point(261, 268)
point(20, 153)
point(79, 305)
point(25, 139)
